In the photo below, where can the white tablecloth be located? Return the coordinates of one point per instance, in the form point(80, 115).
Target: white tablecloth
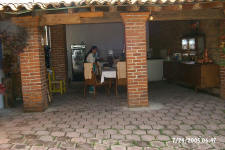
point(108, 74)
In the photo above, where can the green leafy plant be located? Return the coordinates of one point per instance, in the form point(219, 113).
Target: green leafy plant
point(14, 37)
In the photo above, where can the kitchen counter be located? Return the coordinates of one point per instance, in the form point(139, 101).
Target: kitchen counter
point(197, 75)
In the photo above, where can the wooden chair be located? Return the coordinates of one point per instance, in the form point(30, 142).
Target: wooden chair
point(56, 86)
point(8, 96)
point(121, 75)
point(90, 78)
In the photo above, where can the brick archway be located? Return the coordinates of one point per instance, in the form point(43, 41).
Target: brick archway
point(33, 70)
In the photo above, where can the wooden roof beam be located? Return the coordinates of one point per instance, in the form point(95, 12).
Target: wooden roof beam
point(188, 14)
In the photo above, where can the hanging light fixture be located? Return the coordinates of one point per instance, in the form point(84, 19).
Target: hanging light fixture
point(151, 17)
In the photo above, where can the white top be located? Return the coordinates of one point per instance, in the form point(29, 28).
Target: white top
point(91, 58)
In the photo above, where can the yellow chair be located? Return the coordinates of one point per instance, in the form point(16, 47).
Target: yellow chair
point(56, 86)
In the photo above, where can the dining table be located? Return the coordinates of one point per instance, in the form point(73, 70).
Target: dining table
point(109, 74)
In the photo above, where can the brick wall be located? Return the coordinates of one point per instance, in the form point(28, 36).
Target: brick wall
point(212, 33)
point(137, 77)
point(58, 51)
point(32, 66)
point(165, 35)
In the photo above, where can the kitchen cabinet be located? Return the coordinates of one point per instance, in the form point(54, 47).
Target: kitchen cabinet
point(196, 75)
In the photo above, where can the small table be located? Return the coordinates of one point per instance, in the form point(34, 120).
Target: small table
point(108, 73)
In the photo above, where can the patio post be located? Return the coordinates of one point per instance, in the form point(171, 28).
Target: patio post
point(59, 51)
point(136, 58)
point(222, 60)
point(32, 66)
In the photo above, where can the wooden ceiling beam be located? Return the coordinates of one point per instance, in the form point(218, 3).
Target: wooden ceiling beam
point(54, 19)
point(188, 14)
point(108, 17)
point(67, 18)
point(90, 14)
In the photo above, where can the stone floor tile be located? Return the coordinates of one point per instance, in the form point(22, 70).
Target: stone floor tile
point(157, 144)
point(132, 137)
point(167, 132)
point(196, 132)
point(34, 142)
point(4, 140)
point(46, 138)
point(67, 144)
point(163, 138)
point(42, 133)
point(102, 136)
point(58, 134)
point(118, 147)
point(5, 146)
point(88, 135)
point(182, 132)
point(139, 132)
point(135, 148)
point(153, 132)
point(109, 142)
point(84, 146)
point(38, 148)
point(118, 137)
point(150, 148)
point(147, 138)
point(78, 140)
point(82, 130)
point(100, 147)
point(20, 147)
point(110, 131)
point(130, 127)
point(185, 127)
point(27, 132)
point(124, 132)
point(104, 126)
point(72, 134)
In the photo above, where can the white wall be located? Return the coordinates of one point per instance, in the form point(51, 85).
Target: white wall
point(106, 36)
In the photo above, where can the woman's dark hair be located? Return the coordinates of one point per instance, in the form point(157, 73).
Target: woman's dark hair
point(90, 51)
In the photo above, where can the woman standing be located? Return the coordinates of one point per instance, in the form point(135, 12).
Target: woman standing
point(91, 55)
point(91, 58)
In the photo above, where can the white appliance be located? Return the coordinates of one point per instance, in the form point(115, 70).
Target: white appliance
point(155, 69)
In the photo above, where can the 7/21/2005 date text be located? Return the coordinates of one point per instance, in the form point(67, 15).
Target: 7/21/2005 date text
point(193, 140)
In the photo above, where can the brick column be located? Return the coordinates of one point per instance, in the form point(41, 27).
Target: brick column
point(137, 77)
point(222, 61)
point(32, 66)
point(58, 51)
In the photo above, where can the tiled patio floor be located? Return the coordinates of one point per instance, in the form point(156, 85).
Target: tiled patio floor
point(105, 123)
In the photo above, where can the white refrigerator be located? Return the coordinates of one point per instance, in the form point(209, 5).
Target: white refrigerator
point(155, 69)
